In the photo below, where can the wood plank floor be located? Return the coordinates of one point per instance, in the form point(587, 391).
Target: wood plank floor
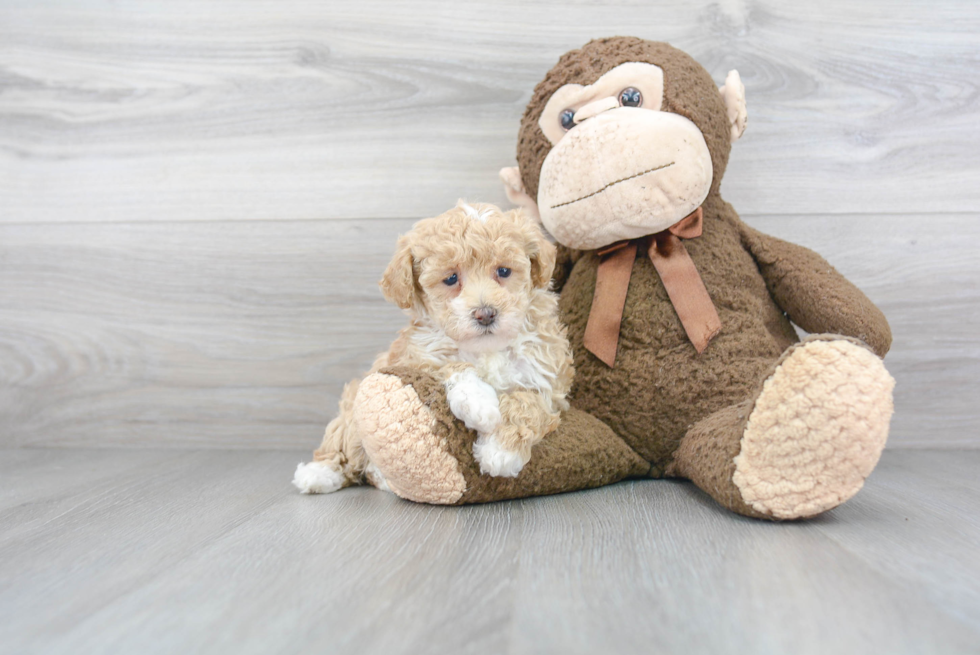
point(153, 551)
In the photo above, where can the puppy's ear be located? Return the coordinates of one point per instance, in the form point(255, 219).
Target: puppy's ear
point(398, 282)
point(540, 251)
point(543, 266)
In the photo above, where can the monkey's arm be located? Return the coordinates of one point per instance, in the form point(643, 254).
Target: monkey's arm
point(813, 294)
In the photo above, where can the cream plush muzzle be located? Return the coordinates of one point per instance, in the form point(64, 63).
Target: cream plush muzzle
point(623, 174)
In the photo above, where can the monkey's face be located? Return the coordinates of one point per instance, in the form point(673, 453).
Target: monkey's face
point(619, 168)
point(622, 139)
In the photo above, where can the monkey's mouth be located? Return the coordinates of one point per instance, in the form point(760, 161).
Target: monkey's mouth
point(612, 184)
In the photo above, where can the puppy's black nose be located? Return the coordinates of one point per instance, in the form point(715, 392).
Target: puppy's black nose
point(485, 315)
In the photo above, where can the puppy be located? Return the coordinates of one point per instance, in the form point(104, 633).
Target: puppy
point(474, 282)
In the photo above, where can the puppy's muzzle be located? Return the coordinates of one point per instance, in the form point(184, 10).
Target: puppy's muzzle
point(485, 315)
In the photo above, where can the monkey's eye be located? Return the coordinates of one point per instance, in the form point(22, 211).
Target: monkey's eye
point(567, 119)
point(451, 280)
point(503, 271)
point(630, 97)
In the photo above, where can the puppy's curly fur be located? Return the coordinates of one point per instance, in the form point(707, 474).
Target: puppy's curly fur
point(475, 284)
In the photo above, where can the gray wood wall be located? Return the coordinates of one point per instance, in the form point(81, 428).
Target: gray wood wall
point(197, 198)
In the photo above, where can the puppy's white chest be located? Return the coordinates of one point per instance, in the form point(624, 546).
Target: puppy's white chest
point(509, 370)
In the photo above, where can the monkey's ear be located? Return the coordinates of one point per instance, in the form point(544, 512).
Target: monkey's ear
point(733, 92)
point(540, 251)
point(514, 188)
point(398, 282)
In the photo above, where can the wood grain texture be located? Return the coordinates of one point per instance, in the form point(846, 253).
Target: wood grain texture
point(213, 552)
point(242, 334)
point(190, 110)
point(237, 334)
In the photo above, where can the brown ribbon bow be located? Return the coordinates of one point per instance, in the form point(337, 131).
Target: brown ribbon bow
point(678, 274)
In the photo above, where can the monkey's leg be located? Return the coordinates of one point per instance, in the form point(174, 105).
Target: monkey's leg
point(805, 443)
point(424, 454)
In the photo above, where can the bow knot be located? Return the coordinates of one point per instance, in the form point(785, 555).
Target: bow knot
point(677, 272)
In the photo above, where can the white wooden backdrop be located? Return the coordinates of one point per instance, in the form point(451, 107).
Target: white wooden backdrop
point(197, 198)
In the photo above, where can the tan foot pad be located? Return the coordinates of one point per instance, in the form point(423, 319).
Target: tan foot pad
point(398, 437)
point(816, 431)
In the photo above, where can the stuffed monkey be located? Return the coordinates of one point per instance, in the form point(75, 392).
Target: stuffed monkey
point(679, 314)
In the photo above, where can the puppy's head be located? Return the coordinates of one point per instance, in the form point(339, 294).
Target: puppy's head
point(473, 270)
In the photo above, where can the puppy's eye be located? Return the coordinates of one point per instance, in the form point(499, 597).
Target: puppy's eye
point(451, 280)
point(567, 119)
point(503, 271)
point(630, 97)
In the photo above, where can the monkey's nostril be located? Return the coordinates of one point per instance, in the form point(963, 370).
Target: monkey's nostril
point(485, 316)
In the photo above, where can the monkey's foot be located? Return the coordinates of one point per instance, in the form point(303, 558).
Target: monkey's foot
point(816, 430)
point(399, 434)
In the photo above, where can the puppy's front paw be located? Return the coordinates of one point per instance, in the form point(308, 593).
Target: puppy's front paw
point(473, 401)
point(317, 478)
point(496, 460)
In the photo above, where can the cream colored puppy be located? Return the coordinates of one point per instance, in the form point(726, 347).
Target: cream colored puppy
point(474, 282)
